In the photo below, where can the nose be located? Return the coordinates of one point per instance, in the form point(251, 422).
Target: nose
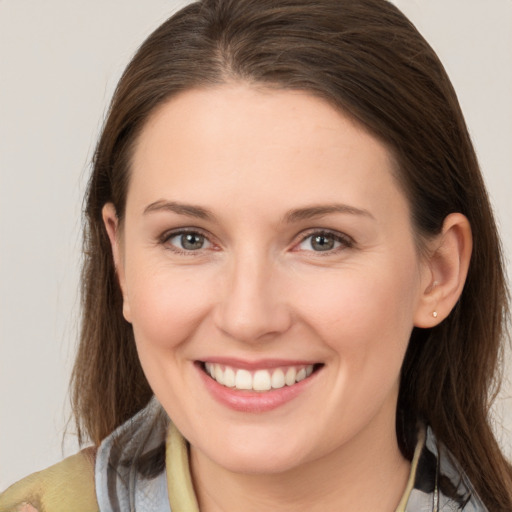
point(252, 304)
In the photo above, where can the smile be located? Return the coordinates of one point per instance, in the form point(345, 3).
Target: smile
point(259, 379)
point(257, 387)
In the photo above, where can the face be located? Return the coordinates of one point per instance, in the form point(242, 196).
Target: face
point(269, 270)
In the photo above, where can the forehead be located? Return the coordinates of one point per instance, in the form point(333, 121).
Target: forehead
point(250, 145)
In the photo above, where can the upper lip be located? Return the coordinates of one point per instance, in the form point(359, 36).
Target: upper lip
point(260, 364)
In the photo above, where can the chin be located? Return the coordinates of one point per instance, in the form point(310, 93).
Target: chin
point(256, 458)
point(267, 465)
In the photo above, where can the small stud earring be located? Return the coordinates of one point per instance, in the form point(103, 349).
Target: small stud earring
point(434, 314)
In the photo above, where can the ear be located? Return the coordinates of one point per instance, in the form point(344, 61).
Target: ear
point(447, 265)
point(111, 221)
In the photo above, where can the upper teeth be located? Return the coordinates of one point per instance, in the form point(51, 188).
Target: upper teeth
point(260, 380)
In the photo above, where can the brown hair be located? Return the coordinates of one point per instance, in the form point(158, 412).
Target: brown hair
point(366, 58)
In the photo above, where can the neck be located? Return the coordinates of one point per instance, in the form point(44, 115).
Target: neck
point(367, 473)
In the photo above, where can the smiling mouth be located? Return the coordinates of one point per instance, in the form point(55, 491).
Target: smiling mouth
point(258, 380)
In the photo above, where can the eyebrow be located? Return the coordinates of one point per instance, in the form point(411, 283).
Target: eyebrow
point(290, 217)
point(180, 208)
point(318, 211)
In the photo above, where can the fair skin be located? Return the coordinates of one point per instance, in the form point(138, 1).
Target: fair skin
point(265, 233)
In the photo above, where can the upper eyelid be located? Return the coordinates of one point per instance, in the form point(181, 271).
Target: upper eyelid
point(324, 231)
point(170, 233)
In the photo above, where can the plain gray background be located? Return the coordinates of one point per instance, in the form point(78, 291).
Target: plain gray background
point(59, 63)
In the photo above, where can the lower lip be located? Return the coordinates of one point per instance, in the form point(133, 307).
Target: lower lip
point(253, 401)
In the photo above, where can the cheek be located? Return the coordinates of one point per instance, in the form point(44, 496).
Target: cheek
point(165, 306)
point(365, 312)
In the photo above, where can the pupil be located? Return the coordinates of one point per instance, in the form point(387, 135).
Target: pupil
point(191, 241)
point(322, 243)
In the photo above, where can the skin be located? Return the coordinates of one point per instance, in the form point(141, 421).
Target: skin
point(258, 290)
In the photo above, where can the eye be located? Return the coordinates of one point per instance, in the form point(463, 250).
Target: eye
point(324, 241)
point(187, 241)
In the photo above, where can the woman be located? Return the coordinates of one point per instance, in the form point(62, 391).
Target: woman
point(289, 245)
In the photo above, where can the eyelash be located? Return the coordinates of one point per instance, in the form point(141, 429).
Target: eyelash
point(169, 235)
point(345, 241)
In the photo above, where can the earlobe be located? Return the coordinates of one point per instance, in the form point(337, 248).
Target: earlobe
point(448, 265)
point(111, 221)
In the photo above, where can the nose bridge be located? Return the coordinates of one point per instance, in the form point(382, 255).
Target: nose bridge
point(251, 305)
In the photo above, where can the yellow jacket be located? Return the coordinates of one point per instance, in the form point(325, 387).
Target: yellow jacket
point(65, 487)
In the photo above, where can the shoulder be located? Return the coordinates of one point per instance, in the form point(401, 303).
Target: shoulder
point(68, 485)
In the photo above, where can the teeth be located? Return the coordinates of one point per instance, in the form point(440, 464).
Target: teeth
point(289, 378)
point(301, 375)
point(260, 380)
point(278, 379)
point(218, 374)
point(243, 379)
point(229, 377)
